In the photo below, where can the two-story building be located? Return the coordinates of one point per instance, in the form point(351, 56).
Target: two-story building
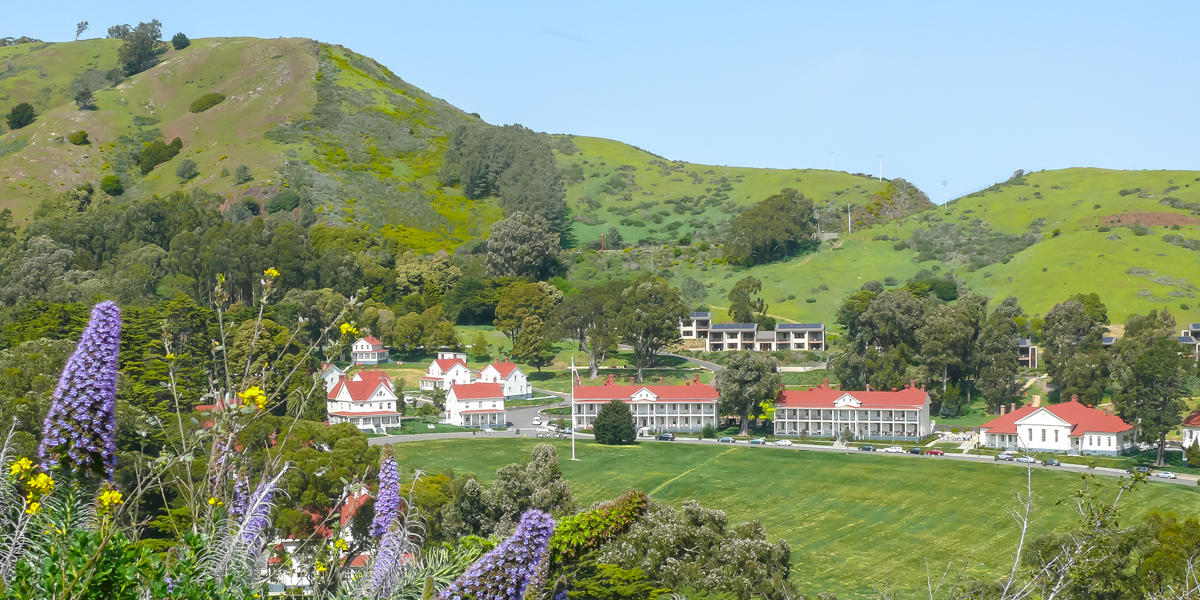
point(1027, 354)
point(825, 411)
point(513, 380)
point(1190, 338)
point(655, 408)
point(449, 368)
point(475, 405)
point(365, 400)
point(1069, 427)
point(368, 351)
point(330, 374)
point(746, 336)
point(695, 326)
point(1190, 430)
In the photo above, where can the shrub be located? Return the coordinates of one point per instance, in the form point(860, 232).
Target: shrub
point(79, 138)
point(20, 115)
point(156, 153)
point(708, 432)
point(180, 41)
point(614, 424)
point(577, 534)
point(242, 174)
point(285, 200)
point(1103, 228)
point(206, 102)
point(111, 185)
point(186, 170)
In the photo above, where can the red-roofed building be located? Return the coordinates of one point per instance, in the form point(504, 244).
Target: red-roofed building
point(1191, 429)
point(516, 384)
point(449, 368)
point(655, 408)
point(825, 411)
point(368, 351)
point(1067, 427)
point(475, 405)
point(365, 400)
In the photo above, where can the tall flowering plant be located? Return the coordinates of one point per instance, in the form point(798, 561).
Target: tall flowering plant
point(80, 429)
point(514, 570)
point(387, 501)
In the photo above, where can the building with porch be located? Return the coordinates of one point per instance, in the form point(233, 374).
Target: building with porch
point(825, 411)
point(365, 400)
point(695, 326)
point(1190, 432)
point(475, 405)
point(747, 336)
point(1027, 354)
point(655, 408)
point(512, 378)
point(1069, 427)
point(449, 368)
point(368, 351)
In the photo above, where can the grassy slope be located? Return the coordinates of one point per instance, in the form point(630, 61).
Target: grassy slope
point(853, 521)
point(41, 73)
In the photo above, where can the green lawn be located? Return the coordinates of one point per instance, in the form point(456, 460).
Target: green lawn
point(853, 520)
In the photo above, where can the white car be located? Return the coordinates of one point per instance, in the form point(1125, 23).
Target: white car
point(782, 443)
point(893, 450)
point(537, 420)
point(1026, 459)
point(1165, 475)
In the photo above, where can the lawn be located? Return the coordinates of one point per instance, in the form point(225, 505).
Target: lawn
point(853, 521)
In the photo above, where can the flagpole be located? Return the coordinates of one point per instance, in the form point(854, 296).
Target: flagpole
point(573, 424)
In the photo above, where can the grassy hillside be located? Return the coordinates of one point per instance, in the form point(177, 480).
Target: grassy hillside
point(43, 74)
point(853, 521)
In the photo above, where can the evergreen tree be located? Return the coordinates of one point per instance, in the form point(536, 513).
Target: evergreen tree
point(748, 380)
point(614, 424)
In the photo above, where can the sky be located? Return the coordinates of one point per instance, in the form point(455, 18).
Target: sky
point(953, 95)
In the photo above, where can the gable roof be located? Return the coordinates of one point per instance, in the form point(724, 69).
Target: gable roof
point(445, 364)
point(825, 397)
point(477, 391)
point(1192, 420)
point(372, 340)
point(664, 393)
point(504, 368)
point(361, 390)
point(1083, 419)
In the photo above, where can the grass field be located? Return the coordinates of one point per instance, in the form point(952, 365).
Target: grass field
point(853, 521)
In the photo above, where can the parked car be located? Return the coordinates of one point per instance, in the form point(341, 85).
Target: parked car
point(666, 437)
point(1165, 475)
point(894, 450)
point(866, 448)
point(1051, 462)
point(1004, 456)
point(758, 441)
point(726, 440)
point(914, 451)
point(1135, 470)
point(935, 452)
point(1026, 459)
point(537, 420)
point(782, 443)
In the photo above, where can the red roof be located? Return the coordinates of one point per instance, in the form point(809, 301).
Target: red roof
point(445, 364)
point(1192, 420)
point(504, 368)
point(360, 391)
point(372, 340)
point(825, 396)
point(1083, 419)
point(477, 391)
point(688, 392)
point(483, 410)
point(369, 413)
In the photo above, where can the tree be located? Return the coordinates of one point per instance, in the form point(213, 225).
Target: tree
point(589, 318)
point(479, 346)
point(186, 171)
point(693, 289)
point(20, 115)
point(119, 32)
point(520, 303)
point(748, 380)
point(140, 50)
point(523, 246)
point(84, 98)
point(111, 185)
point(745, 305)
point(80, 27)
point(997, 378)
point(534, 346)
point(242, 175)
point(648, 318)
point(1072, 350)
point(1192, 454)
point(180, 41)
point(614, 424)
point(1153, 391)
point(773, 229)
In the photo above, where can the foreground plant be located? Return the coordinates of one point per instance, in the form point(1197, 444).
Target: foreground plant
point(514, 570)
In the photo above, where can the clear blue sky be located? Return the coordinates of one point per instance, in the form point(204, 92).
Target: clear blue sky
point(956, 91)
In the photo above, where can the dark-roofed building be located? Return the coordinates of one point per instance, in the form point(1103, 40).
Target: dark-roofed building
point(655, 408)
point(825, 411)
point(747, 336)
point(695, 326)
point(1027, 354)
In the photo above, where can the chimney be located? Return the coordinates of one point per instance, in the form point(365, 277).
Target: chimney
point(893, 389)
point(868, 387)
point(922, 387)
point(608, 380)
point(912, 383)
point(1002, 407)
point(1012, 406)
point(660, 379)
point(825, 384)
point(1074, 397)
point(696, 378)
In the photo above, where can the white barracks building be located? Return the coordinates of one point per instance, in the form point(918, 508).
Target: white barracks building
point(826, 411)
point(687, 407)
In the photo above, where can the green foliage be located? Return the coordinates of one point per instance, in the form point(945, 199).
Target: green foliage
point(748, 380)
point(610, 582)
point(84, 98)
point(180, 41)
point(479, 347)
point(709, 432)
point(111, 185)
point(588, 530)
point(614, 424)
point(20, 115)
point(1193, 454)
point(186, 171)
point(242, 175)
point(156, 153)
point(745, 304)
point(523, 245)
point(140, 50)
point(206, 102)
point(648, 318)
point(283, 201)
point(773, 229)
point(78, 138)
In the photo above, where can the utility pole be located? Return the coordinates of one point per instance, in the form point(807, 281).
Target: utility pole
point(574, 374)
point(881, 167)
point(849, 229)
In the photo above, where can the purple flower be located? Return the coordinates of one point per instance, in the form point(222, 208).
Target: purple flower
point(387, 501)
point(257, 512)
point(81, 426)
point(241, 496)
point(516, 565)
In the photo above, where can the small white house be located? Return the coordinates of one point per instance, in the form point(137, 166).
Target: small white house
point(449, 368)
point(330, 374)
point(1069, 427)
point(475, 405)
point(368, 351)
point(516, 384)
point(1191, 429)
point(365, 400)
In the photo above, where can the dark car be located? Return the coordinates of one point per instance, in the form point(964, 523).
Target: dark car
point(914, 450)
point(727, 440)
point(666, 437)
point(866, 448)
point(1051, 462)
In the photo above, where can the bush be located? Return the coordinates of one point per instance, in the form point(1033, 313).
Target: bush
point(709, 432)
point(187, 170)
point(242, 174)
point(285, 200)
point(111, 185)
point(180, 41)
point(20, 115)
point(206, 102)
point(614, 424)
point(156, 153)
point(79, 138)
point(1103, 228)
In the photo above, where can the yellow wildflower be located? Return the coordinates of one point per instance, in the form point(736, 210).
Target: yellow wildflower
point(41, 483)
point(340, 544)
point(170, 356)
point(348, 329)
point(271, 272)
point(109, 499)
point(320, 568)
point(33, 508)
point(213, 501)
point(254, 395)
point(20, 467)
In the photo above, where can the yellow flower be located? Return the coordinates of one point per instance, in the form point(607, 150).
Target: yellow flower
point(255, 395)
point(272, 272)
point(109, 499)
point(348, 329)
point(213, 501)
point(20, 467)
point(33, 508)
point(340, 544)
point(320, 568)
point(170, 356)
point(42, 483)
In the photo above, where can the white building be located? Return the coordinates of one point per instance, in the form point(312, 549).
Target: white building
point(449, 368)
point(330, 374)
point(826, 411)
point(1027, 354)
point(687, 407)
point(368, 351)
point(475, 405)
point(365, 400)
point(516, 384)
point(746, 336)
point(695, 326)
point(283, 573)
point(1068, 427)
point(1191, 429)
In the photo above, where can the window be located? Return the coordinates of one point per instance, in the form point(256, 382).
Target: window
point(1030, 432)
point(1110, 442)
point(1043, 434)
point(1056, 436)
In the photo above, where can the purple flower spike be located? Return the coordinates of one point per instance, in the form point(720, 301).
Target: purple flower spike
point(241, 496)
point(511, 568)
point(257, 513)
point(387, 501)
point(81, 426)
